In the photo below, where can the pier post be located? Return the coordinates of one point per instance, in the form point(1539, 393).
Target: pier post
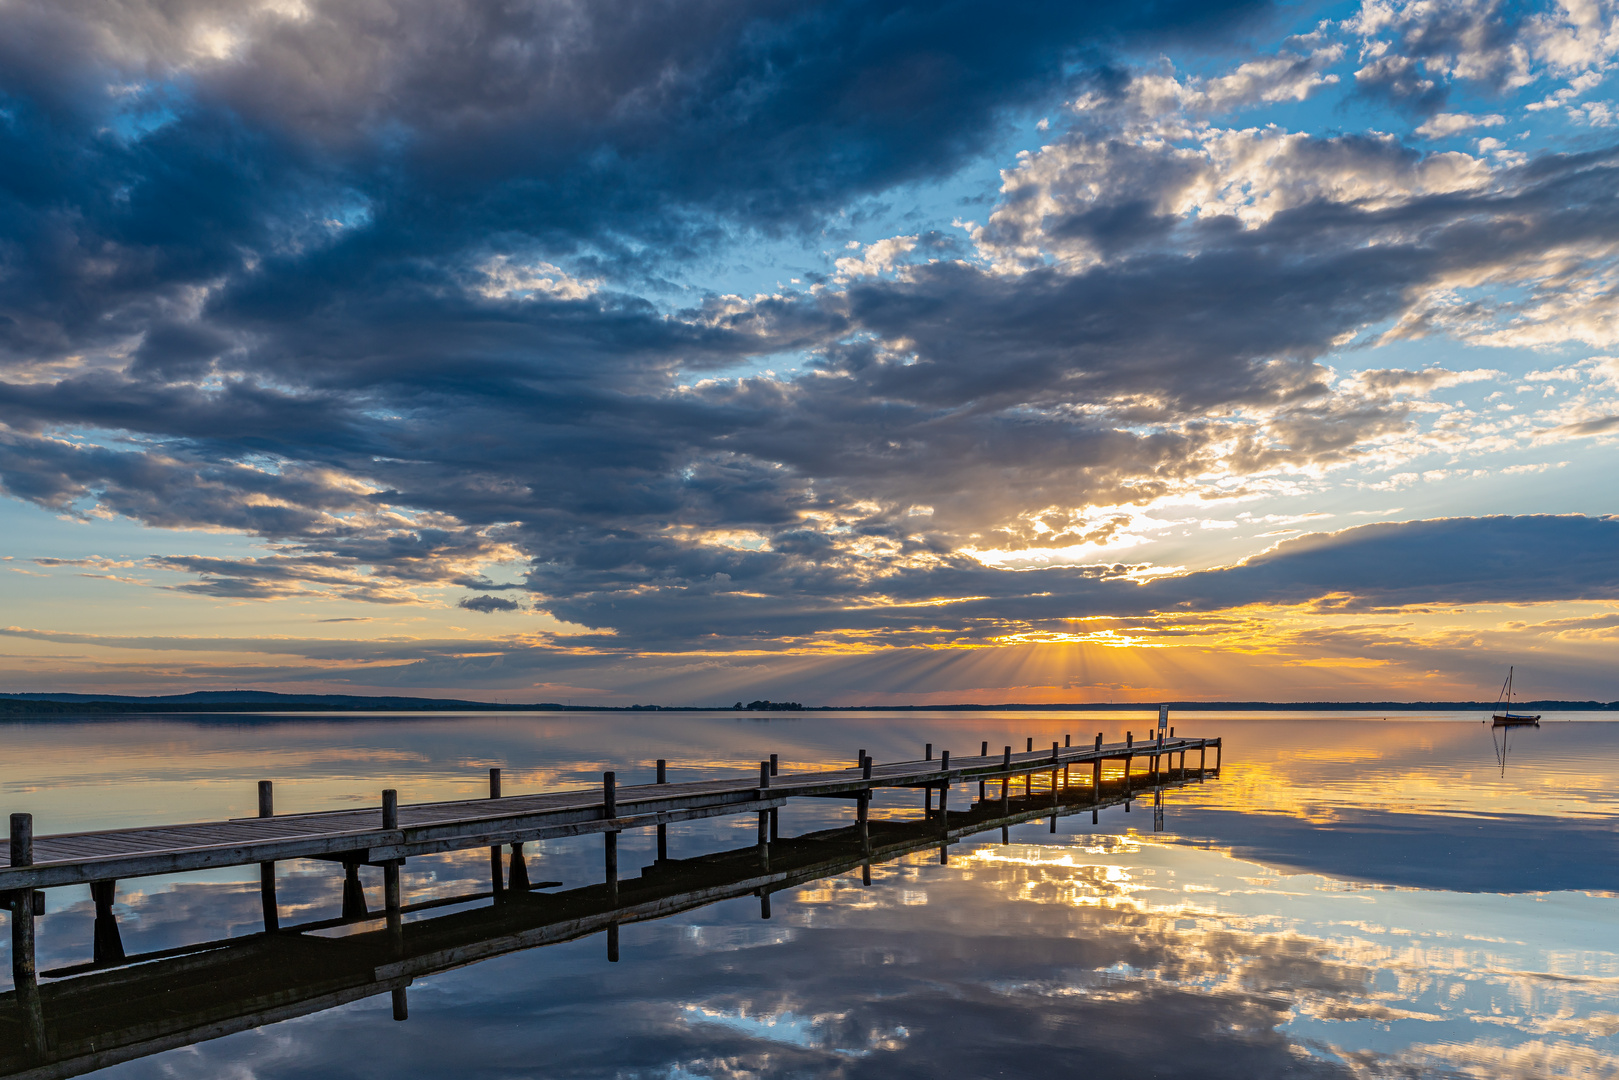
point(392, 901)
point(109, 944)
point(272, 911)
point(519, 874)
point(1202, 760)
point(927, 752)
point(353, 894)
point(1006, 781)
point(663, 829)
point(983, 748)
point(774, 764)
point(497, 879)
point(612, 943)
point(24, 974)
point(865, 873)
point(1217, 745)
point(1030, 747)
point(1098, 740)
point(865, 767)
point(862, 817)
point(775, 825)
point(1096, 779)
point(764, 903)
point(1006, 834)
point(944, 813)
point(401, 1004)
point(610, 842)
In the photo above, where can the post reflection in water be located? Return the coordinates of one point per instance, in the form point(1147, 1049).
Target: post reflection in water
point(1348, 899)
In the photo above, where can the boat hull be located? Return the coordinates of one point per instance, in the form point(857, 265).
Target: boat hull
point(1509, 720)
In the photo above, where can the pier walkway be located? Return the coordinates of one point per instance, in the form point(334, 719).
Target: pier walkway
point(382, 834)
point(94, 1016)
point(388, 835)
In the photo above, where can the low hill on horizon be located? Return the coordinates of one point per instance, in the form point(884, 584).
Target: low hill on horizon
point(255, 700)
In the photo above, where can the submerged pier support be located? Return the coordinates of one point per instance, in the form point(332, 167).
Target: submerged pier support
point(108, 943)
point(267, 901)
point(24, 906)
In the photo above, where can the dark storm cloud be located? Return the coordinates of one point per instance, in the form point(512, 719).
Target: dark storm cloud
point(150, 149)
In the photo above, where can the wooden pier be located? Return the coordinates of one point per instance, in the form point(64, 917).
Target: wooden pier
point(1054, 781)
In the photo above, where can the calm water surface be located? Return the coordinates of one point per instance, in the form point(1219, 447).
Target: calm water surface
point(1353, 897)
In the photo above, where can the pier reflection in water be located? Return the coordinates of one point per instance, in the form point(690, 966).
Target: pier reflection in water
point(1254, 937)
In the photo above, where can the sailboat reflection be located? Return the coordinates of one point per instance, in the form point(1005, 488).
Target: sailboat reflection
point(99, 1015)
point(1502, 735)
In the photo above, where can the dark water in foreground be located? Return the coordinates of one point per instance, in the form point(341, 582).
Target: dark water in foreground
point(1353, 897)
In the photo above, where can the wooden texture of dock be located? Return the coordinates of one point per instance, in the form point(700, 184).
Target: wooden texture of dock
point(95, 1016)
point(388, 835)
point(428, 828)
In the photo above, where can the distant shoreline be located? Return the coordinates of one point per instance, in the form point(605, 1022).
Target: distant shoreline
point(46, 704)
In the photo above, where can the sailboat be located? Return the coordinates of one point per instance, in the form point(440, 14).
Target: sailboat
point(1506, 717)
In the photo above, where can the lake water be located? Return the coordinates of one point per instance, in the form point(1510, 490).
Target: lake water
point(1351, 897)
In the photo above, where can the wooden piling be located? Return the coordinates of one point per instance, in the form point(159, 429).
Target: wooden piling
point(764, 839)
point(24, 973)
point(1030, 747)
point(927, 752)
point(519, 875)
point(774, 764)
point(610, 853)
point(401, 1004)
point(983, 748)
point(497, 878)
point(267, 901)
point(1006, 834)
point(764, 903)
point(392, 900)
point(862, 816)
point(108, 944)
point(612, 943)
point(353, 894)
point(663, 829)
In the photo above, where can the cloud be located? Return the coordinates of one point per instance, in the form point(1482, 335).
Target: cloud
point(487, 604)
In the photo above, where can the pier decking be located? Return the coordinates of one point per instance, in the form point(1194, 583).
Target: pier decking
point(428, 828)
point(55, 1027)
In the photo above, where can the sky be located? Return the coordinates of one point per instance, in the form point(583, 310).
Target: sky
point(868, 352)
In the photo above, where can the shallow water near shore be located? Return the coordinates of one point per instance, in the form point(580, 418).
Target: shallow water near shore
point(1351, 896)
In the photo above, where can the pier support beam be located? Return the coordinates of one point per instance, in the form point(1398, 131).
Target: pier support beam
point(610, 842)
point(267, 901)
point(354, 908)
point(497, 879)
point(108, 943)
point(392, 899)
point(663, 830)
point(519, 872)
point(24, 974)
